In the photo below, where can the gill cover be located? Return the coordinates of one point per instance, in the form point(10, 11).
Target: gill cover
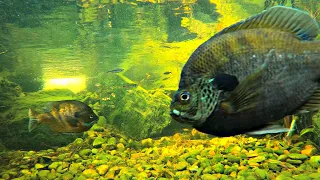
point(195, 105)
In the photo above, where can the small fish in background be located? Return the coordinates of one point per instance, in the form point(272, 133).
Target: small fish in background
point(165, 78)
point(98, 85)
point(167, 73)
point(130, 85)
point(115, 70)
point(68, 116)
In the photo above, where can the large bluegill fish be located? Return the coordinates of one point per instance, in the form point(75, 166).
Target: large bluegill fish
point(64, 116)
point(252, 73)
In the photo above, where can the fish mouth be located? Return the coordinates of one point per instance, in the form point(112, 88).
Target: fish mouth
point(90, 124)
point(178, 116)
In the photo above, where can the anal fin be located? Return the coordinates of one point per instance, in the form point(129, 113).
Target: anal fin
point(313, 104)
point(270, 129)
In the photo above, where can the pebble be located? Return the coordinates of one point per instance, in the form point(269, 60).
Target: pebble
point(218, 168)
point(85, 152)
point(39, 166)
point(258, 159)
point(90, 173)
point(282, 157)
point(315, 161)
point(301, 177)
point(181, 166)
point(54, 165)
point(43, 173)
point(168, 158)
point(233, 159)
point(120, 147)
point(274, 167)
point(297, 156)
point(261, 173)
point(78, 141)
point(98, 141)
point(209, 177)
point(294, 161)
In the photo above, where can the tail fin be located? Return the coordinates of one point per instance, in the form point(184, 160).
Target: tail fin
point(33, 120)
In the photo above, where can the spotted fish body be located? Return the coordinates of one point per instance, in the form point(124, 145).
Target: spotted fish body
point(276, 61)
point(64, 116)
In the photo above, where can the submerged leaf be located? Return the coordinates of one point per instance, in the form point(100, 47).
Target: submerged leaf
point(307, 130)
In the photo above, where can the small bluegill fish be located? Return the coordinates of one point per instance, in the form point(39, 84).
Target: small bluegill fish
point(64, 116)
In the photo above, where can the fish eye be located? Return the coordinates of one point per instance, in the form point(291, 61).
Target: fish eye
point(77, 114)
point(91, 116)
point(184, 96)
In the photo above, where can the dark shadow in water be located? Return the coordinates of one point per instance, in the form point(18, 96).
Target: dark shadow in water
point(27, 13)
point(205, 11)
point(174, 30)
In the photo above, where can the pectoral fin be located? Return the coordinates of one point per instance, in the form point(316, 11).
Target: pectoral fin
point(33, 120)
point(245, 95)
point(225, 82)
point(73, 122)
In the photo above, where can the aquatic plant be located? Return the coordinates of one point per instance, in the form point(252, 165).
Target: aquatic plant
point(270, 3)
point(311, 6)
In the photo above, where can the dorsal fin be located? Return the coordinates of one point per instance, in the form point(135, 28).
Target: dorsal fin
point(295, 21)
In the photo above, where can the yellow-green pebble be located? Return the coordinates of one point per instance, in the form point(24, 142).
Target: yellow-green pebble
point(102, 169)
point(90, 173)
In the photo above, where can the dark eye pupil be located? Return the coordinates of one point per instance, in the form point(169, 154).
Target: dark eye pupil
point(184, 96)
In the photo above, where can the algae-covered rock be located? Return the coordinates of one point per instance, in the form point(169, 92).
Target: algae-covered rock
point(43, 173)
point(274, 167)
point(209, 177)
point(283, 177)
point(218, 168)
point(261, 173)
point(315, 161)
point(85, 152)
point(90, 173)
point(282, 157)
point(102, 169)
point(181, 166)
point(257, 159)
point(301, 177)
point(297, 156)
point(76, 168)
point(98, 141)
point(54, 165)
point(233, 159)
point(139, 113)
point(294, 161)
